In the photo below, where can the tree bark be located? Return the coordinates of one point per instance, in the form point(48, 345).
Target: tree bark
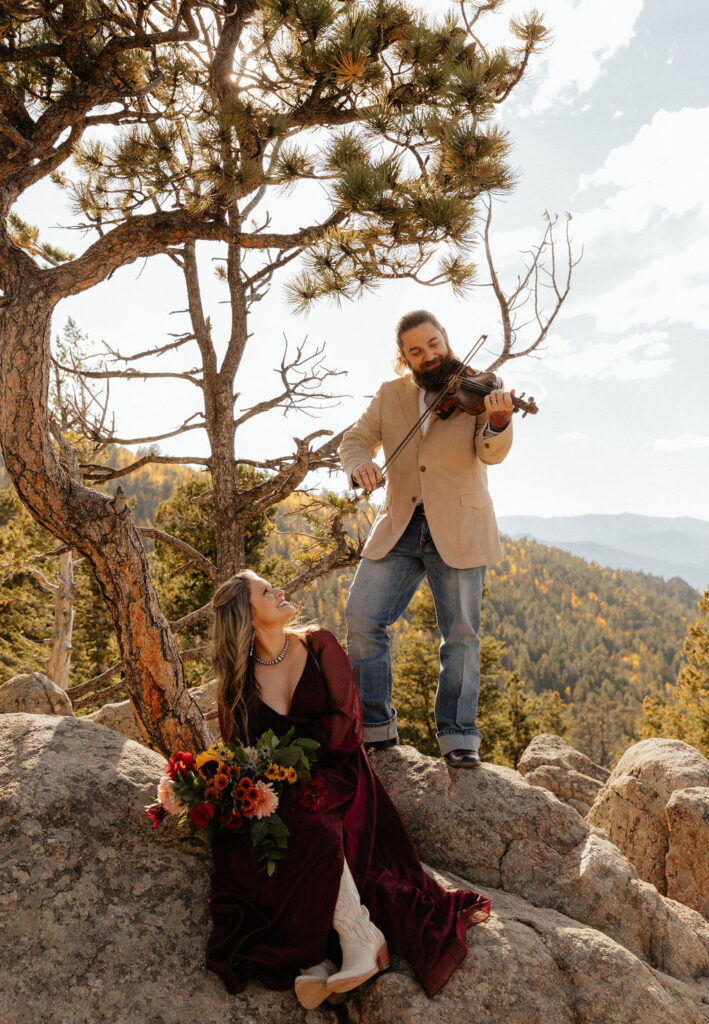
point(218, 397)
point(60, 658)
point(99, 527)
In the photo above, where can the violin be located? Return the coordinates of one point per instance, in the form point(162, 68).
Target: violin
point(466, 389)
point(468, 394)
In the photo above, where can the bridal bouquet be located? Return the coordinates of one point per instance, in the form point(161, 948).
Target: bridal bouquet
point(231, 786)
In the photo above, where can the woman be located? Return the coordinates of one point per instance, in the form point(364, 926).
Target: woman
point(350, 860)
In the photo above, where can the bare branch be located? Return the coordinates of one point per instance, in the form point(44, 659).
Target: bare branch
point(92, 684)
point(289, 476)
point(197, 557)
point(102, 696)
point(191, 618)
point(44, 583)
point(130, 373)
point(528, 290)
point(95, 471)
point(343, 554)
point(301, 377)
point(159, 350)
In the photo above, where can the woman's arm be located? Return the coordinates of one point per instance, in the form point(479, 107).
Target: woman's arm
point(341, 725)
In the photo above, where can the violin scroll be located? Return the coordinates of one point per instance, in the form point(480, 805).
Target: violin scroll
point(530, 406)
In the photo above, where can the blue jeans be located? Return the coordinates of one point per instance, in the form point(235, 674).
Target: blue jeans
point(380, 593)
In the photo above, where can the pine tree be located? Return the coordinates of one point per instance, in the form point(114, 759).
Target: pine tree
point(416, 667)
point(684, 712)
point(180, 120)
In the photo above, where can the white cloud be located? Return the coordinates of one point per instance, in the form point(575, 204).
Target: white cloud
point(586, 35)
point(672, 288)
point(676, 444)
point(660, 173)
point(654, 206)
point(639, 356)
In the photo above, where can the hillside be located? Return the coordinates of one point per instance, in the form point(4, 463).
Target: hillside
point(652, 544)
point(603, 638)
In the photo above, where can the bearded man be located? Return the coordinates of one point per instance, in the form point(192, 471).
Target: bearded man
point(436, 521)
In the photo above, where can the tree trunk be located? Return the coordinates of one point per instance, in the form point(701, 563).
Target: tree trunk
point(220, 429)
point(218, 397)
point(99, 527)
point(60, 658)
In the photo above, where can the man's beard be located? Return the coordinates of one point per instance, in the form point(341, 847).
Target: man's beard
point(435, 378)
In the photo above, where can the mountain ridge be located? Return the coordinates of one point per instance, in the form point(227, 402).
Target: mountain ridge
point(661, 546)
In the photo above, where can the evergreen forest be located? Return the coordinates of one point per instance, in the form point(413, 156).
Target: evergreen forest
point(568, 646)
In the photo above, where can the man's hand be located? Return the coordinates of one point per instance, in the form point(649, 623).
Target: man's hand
point(367, 475)
point(499, 408)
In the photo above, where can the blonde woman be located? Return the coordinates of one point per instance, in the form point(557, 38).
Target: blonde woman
point(351, 886)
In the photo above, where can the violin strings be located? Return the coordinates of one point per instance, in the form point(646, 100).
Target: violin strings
point(427, 412)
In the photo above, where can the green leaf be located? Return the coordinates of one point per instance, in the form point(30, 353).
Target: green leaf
point(286, 739)
point(307, 743)
point(259, 831)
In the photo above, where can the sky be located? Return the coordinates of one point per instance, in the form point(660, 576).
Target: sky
point(611, 126)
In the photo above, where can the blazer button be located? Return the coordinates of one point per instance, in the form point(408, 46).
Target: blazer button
point(414, 500)
point(422, 468)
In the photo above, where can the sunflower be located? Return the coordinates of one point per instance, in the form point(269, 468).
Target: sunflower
point(208, 764)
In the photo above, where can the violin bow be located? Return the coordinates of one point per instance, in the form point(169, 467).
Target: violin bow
point(452, 381)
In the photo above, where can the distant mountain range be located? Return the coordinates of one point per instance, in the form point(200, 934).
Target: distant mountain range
point(663, 547)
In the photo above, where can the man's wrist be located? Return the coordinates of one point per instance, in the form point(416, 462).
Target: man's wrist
point(498, 423)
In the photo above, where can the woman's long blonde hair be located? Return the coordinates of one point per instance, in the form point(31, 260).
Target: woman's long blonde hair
point(232, 645)
point(232, 639)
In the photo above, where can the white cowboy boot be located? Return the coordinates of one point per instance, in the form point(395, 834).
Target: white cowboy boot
point(311, 984)
point(364, 948)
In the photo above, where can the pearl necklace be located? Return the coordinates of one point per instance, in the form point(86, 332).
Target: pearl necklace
point(274, 661)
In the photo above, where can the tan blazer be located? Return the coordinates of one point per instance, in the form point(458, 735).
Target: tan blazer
point(446, 467)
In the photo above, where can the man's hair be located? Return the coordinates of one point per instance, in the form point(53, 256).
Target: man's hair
point(407, 323)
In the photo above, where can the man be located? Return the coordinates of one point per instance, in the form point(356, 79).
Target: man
point(436, 521)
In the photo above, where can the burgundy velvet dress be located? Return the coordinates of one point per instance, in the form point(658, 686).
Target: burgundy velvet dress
point(268, 929)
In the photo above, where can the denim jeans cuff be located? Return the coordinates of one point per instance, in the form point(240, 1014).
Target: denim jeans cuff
point(387, 731)
point(448, 741)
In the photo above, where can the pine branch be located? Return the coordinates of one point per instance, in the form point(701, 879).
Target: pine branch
point(290, 474)
point(148, 234)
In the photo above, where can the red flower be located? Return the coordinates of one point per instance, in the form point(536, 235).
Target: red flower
point(312, 795)
point(156, 813)
point(180, 764)
point(202, 815)
point(232, 819)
